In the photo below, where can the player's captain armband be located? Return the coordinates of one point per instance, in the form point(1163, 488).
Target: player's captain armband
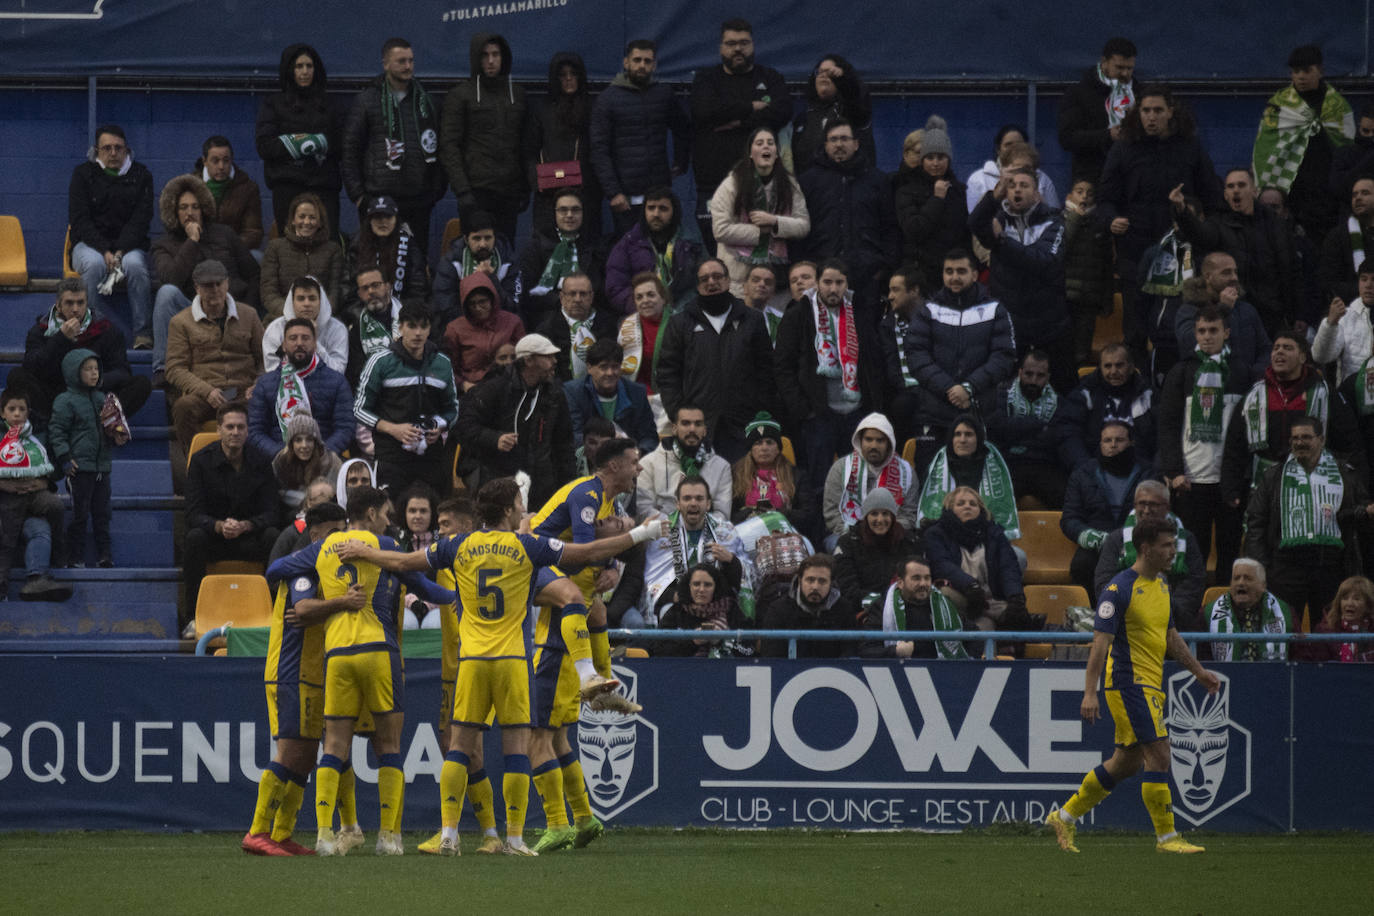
point(1106, 610)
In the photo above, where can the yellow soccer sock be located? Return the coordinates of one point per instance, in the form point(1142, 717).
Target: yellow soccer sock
point(573, 627)
point(453, 783)
point(515, 789)
point(391, 788)
point(1159, 801)
point(574, 787)
point(1095, 787)
point(348, 798)
point(271, 787)
point(548, 782)
point(601, 650)
point(328, 776)
point(480, 797)
point(285, 822)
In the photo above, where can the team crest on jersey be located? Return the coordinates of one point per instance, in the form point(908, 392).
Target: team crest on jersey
point(1209, 751)
point(619, 753)
point(1106, 610)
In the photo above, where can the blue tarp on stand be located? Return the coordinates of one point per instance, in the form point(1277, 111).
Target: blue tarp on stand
point(111, 742)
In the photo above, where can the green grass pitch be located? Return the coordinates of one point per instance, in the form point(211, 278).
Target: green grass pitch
point(1011, 871)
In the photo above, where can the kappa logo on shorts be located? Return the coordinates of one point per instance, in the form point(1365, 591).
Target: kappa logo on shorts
point(619, 753)
point(1210, 752)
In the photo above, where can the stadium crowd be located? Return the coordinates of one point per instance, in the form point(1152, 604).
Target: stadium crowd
point(842, 382)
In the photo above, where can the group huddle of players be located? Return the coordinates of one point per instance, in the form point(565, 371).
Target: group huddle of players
point(334, 661)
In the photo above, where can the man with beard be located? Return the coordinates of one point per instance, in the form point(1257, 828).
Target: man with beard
point(1195, 408)
point(1220, 286)
point(1256, 238)
point(1097, 498)
point(728, 103)
point(407, 397)
point(852, 214)
point(1249, 607)
point(376, 324)
point(716, 352)
point(302, 382)
point(686, 454)
point(1344, 249)
point(1019, 425)
point(478, 248)
point(631, 121)
point(654, 243)
point(1186, 574)
point(827, 369)
point(516, 419)
point(813, 602)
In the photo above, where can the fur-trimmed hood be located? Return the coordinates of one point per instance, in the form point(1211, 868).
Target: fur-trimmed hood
point(172, 191)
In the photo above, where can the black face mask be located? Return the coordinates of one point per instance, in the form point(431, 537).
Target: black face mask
point(1120, 464)
point(716, 303)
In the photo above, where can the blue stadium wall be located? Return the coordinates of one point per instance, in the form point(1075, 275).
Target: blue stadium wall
point(179, 743)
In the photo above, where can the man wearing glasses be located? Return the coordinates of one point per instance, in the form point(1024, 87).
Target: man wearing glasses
point(109, 206)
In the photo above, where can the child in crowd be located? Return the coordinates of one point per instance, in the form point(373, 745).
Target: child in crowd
point(28, 507)
point(83, 451)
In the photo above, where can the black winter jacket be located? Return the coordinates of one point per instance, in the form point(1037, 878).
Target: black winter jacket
point(730, 374)
point(1027, 267)
point(292, 111)
point(483, 126)
point(110, 214)
point(630, 127)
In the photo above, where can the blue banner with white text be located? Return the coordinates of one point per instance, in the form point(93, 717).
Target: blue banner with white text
point(179, 742)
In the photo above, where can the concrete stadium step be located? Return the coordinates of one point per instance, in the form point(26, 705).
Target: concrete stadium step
point(106, 603)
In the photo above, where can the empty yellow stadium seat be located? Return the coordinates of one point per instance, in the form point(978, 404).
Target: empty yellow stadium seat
point(14, 259)
point(452, 229)
point(242, 600)
point(1048, 551)
point(1051, 600)
point(198, 442)
point(788, 452)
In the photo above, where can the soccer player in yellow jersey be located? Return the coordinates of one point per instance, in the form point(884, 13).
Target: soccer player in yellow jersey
point(562, 662)
point(1134, 628)
point(294, 679)
point(575, 513)
point(495, 571)
point(362, 662)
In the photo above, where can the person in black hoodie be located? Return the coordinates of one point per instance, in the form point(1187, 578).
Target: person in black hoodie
point(391, 145)
point(1159, 152)
point(834, 92)
point(298, 136)
point(1091, 112)
point(631, 121)
point(932, 205)
point(483, 126)
point(559, 131)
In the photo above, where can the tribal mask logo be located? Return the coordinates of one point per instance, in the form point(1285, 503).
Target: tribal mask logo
point(619, 753)
point(1210, 752)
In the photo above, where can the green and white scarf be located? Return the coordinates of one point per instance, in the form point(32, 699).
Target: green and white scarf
point(1119, 97)
point(1042, 408)
point(1352, 226)
point(1288, 125)
point(562, 262)
point(943, 618)
point(306, 146)
point(292, 397)
point(1308, 503)
point(1256, 412)
point(22, 455)
point(374, 335)
point(1128, 554)
point(1172, 265)
point(994, 487)
point(55, 323)
point(1207, 408)
point(1275, 617)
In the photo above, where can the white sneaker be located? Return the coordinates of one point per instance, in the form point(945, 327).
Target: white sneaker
point(389, 843)
point(350, 837)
